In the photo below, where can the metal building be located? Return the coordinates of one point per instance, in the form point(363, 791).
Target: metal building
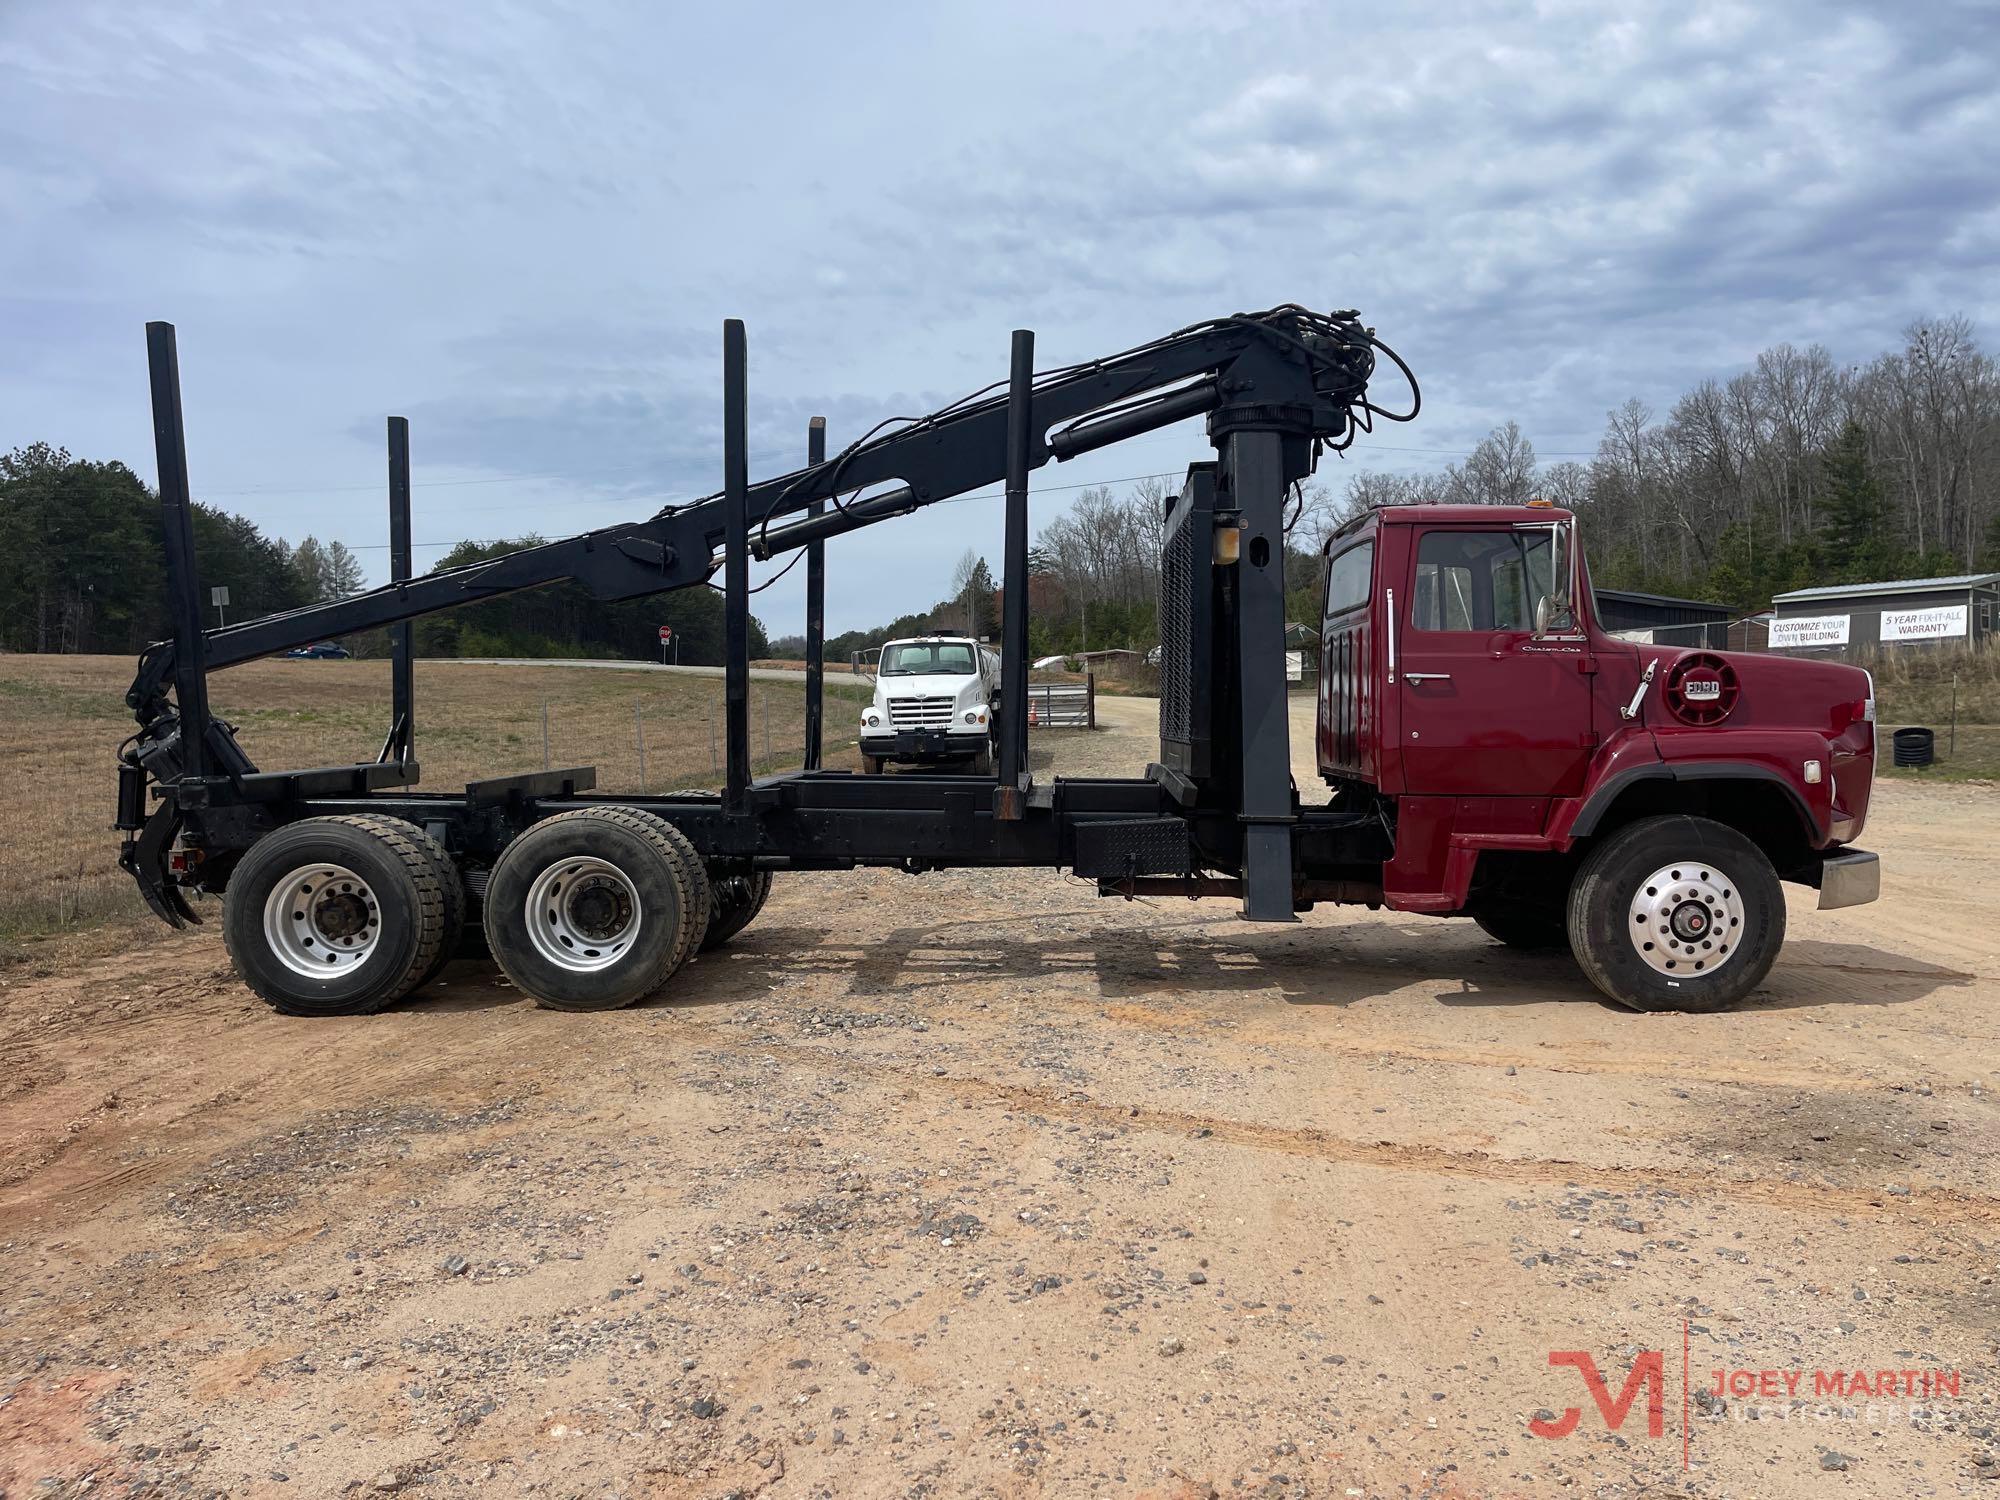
point(1866, 619)
point(1660, 620)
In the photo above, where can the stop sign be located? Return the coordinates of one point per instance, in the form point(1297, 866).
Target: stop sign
point(666, 632)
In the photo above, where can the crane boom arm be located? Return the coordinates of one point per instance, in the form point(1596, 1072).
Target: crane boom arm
point(1311, 365)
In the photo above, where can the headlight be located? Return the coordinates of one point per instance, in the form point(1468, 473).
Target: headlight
point(973, 716)
point(872, 719)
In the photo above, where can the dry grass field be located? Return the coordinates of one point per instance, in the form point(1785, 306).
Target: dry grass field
point(62, 717)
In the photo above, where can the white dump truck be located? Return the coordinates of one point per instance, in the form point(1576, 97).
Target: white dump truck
point(935, 701)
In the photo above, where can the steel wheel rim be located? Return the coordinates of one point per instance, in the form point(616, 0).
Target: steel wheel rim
point(583, 914)
point(322, 921)
point(1686, 919)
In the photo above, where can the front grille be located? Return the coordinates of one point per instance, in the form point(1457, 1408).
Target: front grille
point(921, 713)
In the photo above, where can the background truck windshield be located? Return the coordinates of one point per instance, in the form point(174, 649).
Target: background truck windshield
point(945, 658)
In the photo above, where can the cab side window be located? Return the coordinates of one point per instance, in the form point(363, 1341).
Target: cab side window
point(1480, 580)
point(1347, 579)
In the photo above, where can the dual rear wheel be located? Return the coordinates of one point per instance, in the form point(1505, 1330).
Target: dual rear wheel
point(342, 916)
point(589, 910)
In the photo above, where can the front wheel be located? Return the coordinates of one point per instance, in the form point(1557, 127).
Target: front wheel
point(1676, 913)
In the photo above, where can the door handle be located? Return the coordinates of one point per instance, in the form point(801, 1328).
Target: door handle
point(1389, 635)
point(1427, 677)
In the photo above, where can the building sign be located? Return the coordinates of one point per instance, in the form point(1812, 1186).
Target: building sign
point(1790, 632)
point(1923, 624)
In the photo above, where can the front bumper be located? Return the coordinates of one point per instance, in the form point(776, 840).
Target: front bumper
point(1850, 879)
point(923, 744)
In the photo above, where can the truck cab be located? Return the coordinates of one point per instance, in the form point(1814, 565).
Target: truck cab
point(1467, 687)
point(936, 698)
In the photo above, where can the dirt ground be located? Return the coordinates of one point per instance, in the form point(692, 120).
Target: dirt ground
point(980, 1185)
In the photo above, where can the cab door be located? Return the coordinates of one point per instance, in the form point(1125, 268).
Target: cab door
point(1491, 707)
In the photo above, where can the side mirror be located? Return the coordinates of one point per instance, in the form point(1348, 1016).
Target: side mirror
point(1552, 616)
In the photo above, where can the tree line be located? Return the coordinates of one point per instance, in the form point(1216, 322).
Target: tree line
point(83, 569)
point(83, 566)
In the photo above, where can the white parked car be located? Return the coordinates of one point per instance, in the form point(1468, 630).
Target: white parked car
point(935, 700)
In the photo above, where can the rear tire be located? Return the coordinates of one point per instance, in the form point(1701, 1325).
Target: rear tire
point(359, 894)
point(701, 898)
point(1676, 913)
point(736, 902)
point(451, 885)
point(593, 909)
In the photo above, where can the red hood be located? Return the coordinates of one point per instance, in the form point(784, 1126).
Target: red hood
point(1755, 695)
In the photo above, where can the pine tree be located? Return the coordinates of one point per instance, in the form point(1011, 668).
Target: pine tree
point(343, 572)
point(308, 563)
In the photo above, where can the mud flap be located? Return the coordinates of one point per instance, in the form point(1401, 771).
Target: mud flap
point(145, 860)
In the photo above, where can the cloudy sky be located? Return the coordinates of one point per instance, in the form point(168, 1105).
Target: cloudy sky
point(522, 226)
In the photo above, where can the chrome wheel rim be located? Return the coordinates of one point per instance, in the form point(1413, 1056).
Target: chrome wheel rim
point(583, 914)
point(322, 921)
point(1686, 919)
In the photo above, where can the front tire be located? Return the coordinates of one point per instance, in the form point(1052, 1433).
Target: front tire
point(335, 916)
point(1676, 913)
point(594, 909)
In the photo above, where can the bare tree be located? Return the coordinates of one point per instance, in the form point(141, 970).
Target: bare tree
point(1501, 468)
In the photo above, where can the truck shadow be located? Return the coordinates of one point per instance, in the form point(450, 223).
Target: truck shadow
point(1297, 966)
point(1812, 973)
point(1303, 966)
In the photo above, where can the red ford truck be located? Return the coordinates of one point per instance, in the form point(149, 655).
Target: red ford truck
point(1639, 804)
point(1491, 752)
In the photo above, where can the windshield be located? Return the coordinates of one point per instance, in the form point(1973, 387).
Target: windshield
point(927, 658)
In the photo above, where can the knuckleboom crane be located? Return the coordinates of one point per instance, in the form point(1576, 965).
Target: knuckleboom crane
point(1278, 388)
